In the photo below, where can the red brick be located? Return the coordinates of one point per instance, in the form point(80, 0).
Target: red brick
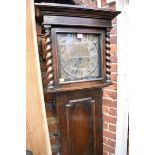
point(105, 125)
point(113, 39)
point(112, 5)
point(112, 128)
point(108, 148)
point(109, 134)
point(105, 109)
point(113, 67)
point(103, 3)
point(113, 48)
point(109, 142)
point(105, 139)
point(113, 77)
point(113, 58)
point(111, 94)
point(112, 86)
point(109, 119)
point(113, 30)
point(105, 93)
point(113, 112)
point(109, 102)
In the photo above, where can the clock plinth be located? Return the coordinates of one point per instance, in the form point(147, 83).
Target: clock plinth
point(77, 53)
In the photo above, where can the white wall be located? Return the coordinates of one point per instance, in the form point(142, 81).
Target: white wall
point(99, 3)
point(136, 79)
point(142, 77)
point(123, 75)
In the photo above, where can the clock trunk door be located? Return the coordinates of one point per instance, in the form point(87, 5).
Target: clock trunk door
point(80, 122)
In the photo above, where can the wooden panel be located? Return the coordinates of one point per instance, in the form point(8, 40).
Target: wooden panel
point(76, 21)
point(80, 120)
point(80, 128)
point(37, 138)
point(84, 85)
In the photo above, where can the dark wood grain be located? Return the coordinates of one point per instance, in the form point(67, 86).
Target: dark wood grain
point(54, 9)
point(49, 54)
point(75, 87)
point(75, 21)
point(108, 54)
point(80, 118)
point(80, 122)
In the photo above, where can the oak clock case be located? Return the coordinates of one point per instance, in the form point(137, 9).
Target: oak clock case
point(77, 53)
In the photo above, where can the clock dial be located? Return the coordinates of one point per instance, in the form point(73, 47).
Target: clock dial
point(79, 56)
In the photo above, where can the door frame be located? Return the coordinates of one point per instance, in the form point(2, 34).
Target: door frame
point(123, 78)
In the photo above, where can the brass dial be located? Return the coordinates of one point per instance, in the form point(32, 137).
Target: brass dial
point(78, 57)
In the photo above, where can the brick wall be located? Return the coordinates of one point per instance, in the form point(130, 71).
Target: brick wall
point(110, 96)
point(91, 3)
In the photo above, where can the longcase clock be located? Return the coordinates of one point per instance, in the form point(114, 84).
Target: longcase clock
point(77, 57)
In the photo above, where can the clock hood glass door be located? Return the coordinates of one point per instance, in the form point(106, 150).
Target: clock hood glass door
point(79, 56)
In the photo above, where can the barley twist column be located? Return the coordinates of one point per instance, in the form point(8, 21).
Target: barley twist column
point(107, 47)
point(49, 55)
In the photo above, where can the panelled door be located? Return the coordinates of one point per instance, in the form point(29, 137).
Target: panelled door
point(79, 115)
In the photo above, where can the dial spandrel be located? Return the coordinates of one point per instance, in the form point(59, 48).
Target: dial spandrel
point(79, 56)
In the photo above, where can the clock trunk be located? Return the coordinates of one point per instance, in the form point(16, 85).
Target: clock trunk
point(80, 122)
